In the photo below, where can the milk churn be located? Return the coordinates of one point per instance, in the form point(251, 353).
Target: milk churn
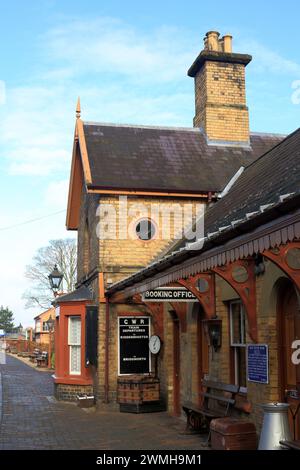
point(275, 426)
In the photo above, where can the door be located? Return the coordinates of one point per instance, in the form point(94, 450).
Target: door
point(290, 372)
point(203, 354)
point(176, 370)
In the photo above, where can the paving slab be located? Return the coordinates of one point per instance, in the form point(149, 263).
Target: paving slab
point(33, 419)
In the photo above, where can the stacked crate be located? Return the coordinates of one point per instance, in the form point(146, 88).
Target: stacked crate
point(138, 393)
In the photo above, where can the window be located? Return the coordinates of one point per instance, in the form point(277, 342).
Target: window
point(145, 229)
point(238, 342)
point(38, 327)
point(74, 341)
point(45, 327)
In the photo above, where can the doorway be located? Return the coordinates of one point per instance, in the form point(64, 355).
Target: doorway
point(176, 364)
point(289, 331)
point(202, 352)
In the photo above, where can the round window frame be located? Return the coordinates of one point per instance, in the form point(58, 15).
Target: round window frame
point(137, 222)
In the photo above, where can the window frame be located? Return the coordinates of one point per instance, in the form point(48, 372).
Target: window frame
point(74, 345)
point(235, 346)
point(242, 323)
point(153, 230)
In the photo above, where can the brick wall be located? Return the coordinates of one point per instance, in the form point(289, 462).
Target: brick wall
point(88, 246)
point(266, 292)
point(221, 102)
point(119, 258)
point(66, 392)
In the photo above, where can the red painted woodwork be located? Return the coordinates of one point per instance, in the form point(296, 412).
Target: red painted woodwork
point(176, 366)
point(206, 299)
point(246, 289)
point(156, 311)
point(278, 256)
point(62, 374)
point(288, 330)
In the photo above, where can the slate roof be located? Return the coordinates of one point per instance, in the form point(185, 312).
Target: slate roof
point(165, 159)
point(80, 294)
point(267, 187)
point(273, 175)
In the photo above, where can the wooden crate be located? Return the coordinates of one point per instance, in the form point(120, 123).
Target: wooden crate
point(232, 434)
point(138, 389)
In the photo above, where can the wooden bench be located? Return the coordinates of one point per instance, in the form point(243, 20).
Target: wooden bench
point(42, 360)
point(218, 400)
point(34, 355)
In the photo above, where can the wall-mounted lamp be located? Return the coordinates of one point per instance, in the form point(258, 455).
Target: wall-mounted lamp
point(259, 267)
point(213, 332)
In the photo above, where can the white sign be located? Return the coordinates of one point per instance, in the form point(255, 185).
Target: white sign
point(169, 294)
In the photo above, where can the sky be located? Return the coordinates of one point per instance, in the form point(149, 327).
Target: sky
point(127, 60)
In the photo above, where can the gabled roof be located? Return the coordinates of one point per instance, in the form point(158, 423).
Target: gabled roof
point(154, 160)
point(165, 159)
point(266, 189)
point(49, 311)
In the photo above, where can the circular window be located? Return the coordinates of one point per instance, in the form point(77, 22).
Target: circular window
point(145, 229)
point(240, 274)
point(293, 258)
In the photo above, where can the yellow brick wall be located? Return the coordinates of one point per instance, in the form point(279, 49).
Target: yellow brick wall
point(266, 293)
point(221, 102)
point(120, 258)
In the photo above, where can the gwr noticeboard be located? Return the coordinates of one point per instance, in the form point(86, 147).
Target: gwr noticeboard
point(169, 294)
point(134, 353)
point(258, 363)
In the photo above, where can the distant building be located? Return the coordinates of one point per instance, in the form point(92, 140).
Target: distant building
point(41, 329)
point(29, 332)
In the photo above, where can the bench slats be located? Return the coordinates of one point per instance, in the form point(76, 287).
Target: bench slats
point(205, 410)
point(220, 386)
point(231, 401)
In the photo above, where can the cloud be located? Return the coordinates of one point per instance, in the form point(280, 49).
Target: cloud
point(33, 134)
point(109, 46)
point(2, 92)
point(56, 193)
point(268, 60)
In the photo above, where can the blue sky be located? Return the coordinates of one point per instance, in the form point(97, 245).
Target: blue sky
point(128, 61)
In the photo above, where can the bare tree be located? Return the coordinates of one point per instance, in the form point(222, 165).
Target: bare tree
point(61, 252)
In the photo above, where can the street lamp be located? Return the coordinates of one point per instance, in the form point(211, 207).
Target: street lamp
point(55, 278)
point(50, 327)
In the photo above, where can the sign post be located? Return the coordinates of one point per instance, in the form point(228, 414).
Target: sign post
point(134, 354)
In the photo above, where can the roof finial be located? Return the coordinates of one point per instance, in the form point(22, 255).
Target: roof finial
point(78, 109)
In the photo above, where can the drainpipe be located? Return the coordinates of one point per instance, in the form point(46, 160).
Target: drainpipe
point(106, 377)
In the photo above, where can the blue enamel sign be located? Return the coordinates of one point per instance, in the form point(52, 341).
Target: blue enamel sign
point(258, 363)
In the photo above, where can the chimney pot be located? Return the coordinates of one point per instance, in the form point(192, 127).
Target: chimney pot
point(211, 41)
point(227, 43)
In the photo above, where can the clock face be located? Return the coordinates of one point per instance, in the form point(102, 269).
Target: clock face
point(154, 344)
